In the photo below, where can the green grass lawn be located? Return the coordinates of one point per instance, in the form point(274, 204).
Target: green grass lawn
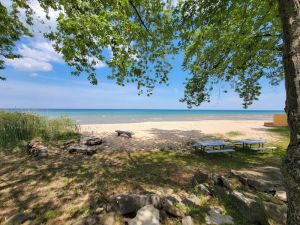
point(65, 187)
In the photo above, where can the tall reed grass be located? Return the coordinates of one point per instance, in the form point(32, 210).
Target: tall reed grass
point(17, 127)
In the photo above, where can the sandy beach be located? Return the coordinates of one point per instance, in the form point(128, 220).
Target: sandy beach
point(169, 135)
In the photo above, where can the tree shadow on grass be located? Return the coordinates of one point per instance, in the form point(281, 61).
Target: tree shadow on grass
point(66, 187)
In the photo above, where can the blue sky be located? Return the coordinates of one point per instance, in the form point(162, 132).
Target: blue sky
point(42, 80)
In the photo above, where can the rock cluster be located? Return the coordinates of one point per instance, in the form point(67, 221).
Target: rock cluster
point(151, 209)
point(87, 146)
point(259, 197)
point(37, 148)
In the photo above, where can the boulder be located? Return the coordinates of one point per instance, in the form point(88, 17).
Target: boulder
point(83, 149)
point(37, 148)
point(261, 185)
point(199, 178)
point(174, 198)
point(163, 216)
point(131, 203)
point(76, 148)
point(217, 179)
point(92, 141)
point(229, 183)
point(172, 209)
point(276, 213)
point(249, 207)
point(187, 220)
point(204, 189)
point(264, 179)
point(147, 215)
point(191, 200)
point(215, 217)
point(281, 195)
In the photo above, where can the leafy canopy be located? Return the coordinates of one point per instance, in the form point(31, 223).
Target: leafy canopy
point(229, 41)
point(12, 29)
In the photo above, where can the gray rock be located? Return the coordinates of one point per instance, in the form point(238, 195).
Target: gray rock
point(83, 149)
point(228, 182)
point(217, 179)
point(37, 148)
point(264, 179)
point(148, 215)
point(126, 204)
point(276, 213)
point(217, 190)
point(19, 219)
point(261, 185)
point(76, 148)
point(199, 178)
point(281, 195)
point(163, 216)
point(90, 150)
point(215, 217)
point(249, 207)
point(191, 200)
point(43, 153)
point(187, 220)
point(203, 189)
point(174, 198)
point(171, 209)
point(92, 141)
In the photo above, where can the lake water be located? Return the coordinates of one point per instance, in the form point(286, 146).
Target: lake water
point(98, 116)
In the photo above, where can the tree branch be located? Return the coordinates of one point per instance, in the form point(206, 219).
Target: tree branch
point(139, 15)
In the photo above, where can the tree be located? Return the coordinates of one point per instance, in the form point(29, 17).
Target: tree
point(232, 43)
point(290, 17)
point(12, 29)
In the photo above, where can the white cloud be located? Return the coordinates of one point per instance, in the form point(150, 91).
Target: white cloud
point(29, 64)
point(42, 51)
point(41, 23)
point(37, 56)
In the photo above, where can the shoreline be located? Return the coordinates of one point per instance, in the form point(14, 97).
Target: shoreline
point(128, 119)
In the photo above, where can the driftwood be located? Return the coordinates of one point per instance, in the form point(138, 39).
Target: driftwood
point(128, 133)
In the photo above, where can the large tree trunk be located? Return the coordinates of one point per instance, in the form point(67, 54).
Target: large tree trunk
point(290, 17)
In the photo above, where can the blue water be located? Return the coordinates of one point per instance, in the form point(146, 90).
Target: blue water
point(160, 112)
point(90, 116)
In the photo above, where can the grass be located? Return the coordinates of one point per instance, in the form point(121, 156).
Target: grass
point(64, 188)
point(19, 127)
point(234, 133)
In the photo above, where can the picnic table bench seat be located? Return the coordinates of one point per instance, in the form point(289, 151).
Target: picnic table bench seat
point(264, 148)
point(219, 151)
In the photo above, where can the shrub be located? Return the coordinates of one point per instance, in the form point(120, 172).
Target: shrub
point(16, 127)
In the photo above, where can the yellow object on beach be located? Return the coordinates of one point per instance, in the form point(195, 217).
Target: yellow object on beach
point(279, 120)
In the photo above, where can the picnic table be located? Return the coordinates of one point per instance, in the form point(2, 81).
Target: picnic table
point(247, 144)
point(210, 143)
point(213, 143)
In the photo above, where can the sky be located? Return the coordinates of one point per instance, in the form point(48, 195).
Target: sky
point(41, 79)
